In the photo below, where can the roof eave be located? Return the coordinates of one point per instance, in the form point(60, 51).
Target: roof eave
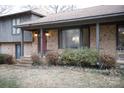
point(72, 20)
point(41, 15)
point(18, 13)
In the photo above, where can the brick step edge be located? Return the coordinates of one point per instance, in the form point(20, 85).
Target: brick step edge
point(25, 62)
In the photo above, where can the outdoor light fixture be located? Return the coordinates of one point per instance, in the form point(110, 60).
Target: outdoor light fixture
point(35, 34)
point(47, 34)
point(122, 32)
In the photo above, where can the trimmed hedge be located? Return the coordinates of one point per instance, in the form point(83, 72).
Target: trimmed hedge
point(6, 59)
point(79, 57)
point(83, 57)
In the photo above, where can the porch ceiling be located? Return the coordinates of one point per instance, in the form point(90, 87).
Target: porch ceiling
point(31, 29)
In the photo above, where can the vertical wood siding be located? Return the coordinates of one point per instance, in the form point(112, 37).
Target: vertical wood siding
point(6, 29)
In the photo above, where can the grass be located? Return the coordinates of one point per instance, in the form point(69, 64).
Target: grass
point(122, 79)
point(122, 82)
point(8, 83)
point(58, 76)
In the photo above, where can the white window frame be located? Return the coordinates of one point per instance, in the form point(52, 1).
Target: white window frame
point(15, 31)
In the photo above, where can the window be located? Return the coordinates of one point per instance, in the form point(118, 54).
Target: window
point(15, 30)
point(74, 38)
point(70, 38)
point(120, 38)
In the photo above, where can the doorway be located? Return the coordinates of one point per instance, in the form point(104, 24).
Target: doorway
point(18, 51)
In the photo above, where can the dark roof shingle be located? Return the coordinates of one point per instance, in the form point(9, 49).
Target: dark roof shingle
point(81, 13)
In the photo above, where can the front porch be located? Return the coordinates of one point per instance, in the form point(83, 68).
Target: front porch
point(102, 36)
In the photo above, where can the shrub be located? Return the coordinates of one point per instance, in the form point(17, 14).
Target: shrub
point(88, 56)
point(6, 59)
point(52, 58)
point(9, 59)
point(107, 61)
point(69, 57)
point(36, 60)
point(2, 59)
point(79, 57)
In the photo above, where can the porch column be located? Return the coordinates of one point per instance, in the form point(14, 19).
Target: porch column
point(98, 40)
point(97, 36)
point(41, 42)
point(22, 42)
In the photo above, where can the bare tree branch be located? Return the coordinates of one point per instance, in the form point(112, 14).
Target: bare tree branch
point(31, 7)
point(51, 8)
point(5, 9)
point(58, 9)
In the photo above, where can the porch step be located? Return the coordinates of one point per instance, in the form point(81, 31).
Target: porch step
point(23, 65)
point(120, 64)
point(25, 60)
point(120, 61)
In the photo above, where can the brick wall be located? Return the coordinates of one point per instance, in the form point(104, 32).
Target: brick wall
point(31, 48)
point(8, 48)
point(34, 45)
point(107, 38)
point(52, 40)
point(28, 50)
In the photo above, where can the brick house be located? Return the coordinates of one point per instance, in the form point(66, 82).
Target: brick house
point(10, 36)
point(100, 27)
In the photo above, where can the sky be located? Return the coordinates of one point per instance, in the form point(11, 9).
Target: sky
point(78, 3)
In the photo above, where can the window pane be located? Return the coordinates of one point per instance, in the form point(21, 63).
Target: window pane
point(71, 38)
point(17, 21)
point(14, 30)
point(18, 31)
point(121, 37)
point(13, 22)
